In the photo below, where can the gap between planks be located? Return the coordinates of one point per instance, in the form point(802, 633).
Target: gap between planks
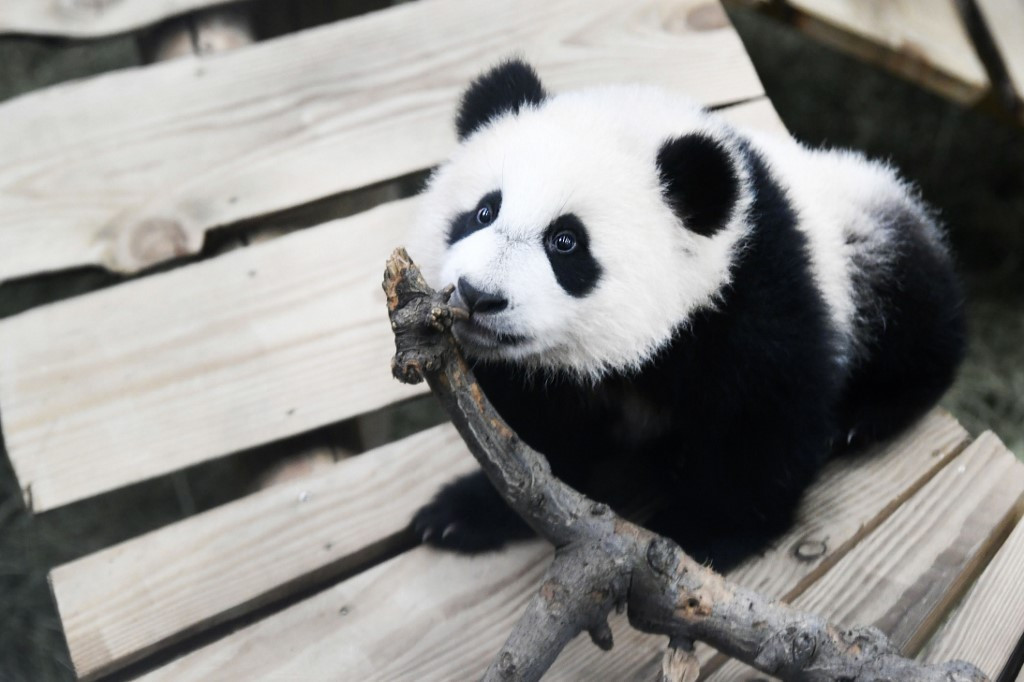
point(928, 46)
point(89, 18)
point(158, 374)
point(134, 167)
point(124, 602)
point(442, 605)
point(905, 576)
point(988, 624)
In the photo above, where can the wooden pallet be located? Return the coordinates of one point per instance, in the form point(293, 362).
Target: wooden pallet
point(971, 51)
point(318, 577)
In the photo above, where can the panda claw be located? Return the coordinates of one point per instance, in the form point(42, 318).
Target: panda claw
point(427, 534)
point(448, 530)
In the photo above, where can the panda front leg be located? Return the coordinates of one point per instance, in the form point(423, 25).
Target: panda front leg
point(467, 515)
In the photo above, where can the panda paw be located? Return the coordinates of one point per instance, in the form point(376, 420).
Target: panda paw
point(468, 516)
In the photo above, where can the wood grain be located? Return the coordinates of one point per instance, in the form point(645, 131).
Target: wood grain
point(441, 604)
point(131, 168)
point(1005, 21)
point(853, 496)
point(989, 622)
point(122, 602)
point(90, 18)
point(905, 576)
point(926, 43)
point(159, 374)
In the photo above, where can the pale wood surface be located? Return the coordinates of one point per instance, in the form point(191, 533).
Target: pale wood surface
point(122, 602)
point(90, 18)
point(154, 375)
point(430, 599)
point(425, 615)
point(131, 168)
point(905, 575)
point(925, 42)
point(1005, 21)
point(158, 374)
point(988, 624)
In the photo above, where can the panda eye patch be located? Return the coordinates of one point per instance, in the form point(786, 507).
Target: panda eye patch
point(564, 242)
point(485, 213)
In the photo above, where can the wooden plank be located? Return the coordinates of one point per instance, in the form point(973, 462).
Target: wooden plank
point(455, 595)
point(131, 168)
point(123, 602)
point(425, 615)
point(1005, 22)
point(159, 374)
point(853, 496)
point(90, 18)
point(165, 372)
point(905, 575)
point(926, 44)
point(756, 114)
point(989, 622)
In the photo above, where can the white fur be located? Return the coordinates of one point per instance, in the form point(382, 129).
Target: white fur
point(593, 153)
point(839, 194)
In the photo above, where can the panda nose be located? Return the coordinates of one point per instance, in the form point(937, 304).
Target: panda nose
point(480, 301)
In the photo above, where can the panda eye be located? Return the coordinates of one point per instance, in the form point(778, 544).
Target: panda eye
point(485, 215)
point(564, 242)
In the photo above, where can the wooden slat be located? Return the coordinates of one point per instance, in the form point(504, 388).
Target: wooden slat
point(129, 169)
point(906, 574)
point(90, 18)
point(853, 496)
point(989, 622)
point(1005, 21)
point(441, 606)
point(121, 603)
point(925, 42)
point(161, 373)
point(425, 615)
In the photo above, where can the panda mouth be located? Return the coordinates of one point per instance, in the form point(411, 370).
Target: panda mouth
point(473, 334)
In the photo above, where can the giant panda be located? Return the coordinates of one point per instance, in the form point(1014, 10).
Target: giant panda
point(687, 318)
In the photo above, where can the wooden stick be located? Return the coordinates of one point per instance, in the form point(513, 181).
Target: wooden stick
point(603, 562)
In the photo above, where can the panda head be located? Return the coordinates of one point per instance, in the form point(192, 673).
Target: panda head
point(582, 230)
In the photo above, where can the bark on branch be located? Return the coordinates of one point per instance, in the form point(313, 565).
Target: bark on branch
point(603, 562)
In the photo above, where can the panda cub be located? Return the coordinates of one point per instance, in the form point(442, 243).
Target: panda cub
point(685, 317)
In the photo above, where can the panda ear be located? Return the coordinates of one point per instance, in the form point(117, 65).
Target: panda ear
point(505, 88)
point(699, 180)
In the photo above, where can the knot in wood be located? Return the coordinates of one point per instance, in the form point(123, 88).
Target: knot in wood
point(661, 555)
point(803, 646)
point(157, 239)
point(808, 550)
point(506, 665)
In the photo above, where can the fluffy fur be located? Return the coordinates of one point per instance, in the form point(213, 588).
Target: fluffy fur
point(678, 313)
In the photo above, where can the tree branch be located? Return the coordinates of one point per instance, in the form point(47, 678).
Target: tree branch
point(603, 562)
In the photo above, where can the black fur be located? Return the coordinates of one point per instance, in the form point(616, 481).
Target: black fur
point(743, 392)
point(505, 88)
point(918, 337)
point(699, 181)
point(467, 223)
point(723, 430)
point(577, 272)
